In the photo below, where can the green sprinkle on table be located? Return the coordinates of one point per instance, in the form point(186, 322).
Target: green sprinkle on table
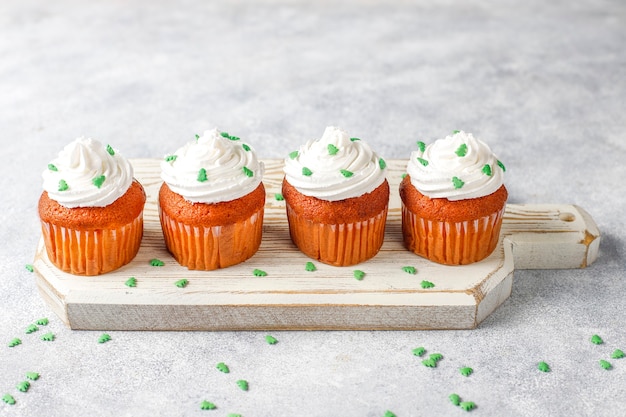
point(206, 405)
point(436, 356)
point(332, 149)
point(259, 273)
point(310, 266)
point(306, 172)
point(243, 384)
point(181, 283)
point(29, 268)
point(596, 340)
point(104, 337)
point(48, 337)
point(131, 282)
point(271, 340)
point(33, 376)
point(389, 414)
point(233, 415)
point(202, 177)
point(543, 367)
point(605, 364)
point(427, 284)
point(454, 399)
point(466, 371)
point(222, 367)
point(279, 197)
point(43, 321)
point(429, 363)
point(99, 180)
point(8, 398)
point(346, 173)
point(156, 262)
point(23, 386)
point(617, 354)
point(419, 351)
point(358, 274)
point(15, 342)
point(409, 269)
point(31, 329)
point(467, 405)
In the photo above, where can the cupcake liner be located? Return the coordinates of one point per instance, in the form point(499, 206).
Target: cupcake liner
point(451, 243)
point(212, 247)
point(92, 252)
point(338, 244)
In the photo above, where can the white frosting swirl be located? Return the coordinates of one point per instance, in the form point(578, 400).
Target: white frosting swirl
point(87, 174)
point(338, 168)
point(456, 167)
point(213, 169)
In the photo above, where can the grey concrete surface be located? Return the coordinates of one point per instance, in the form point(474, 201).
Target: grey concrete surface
point(544, 83)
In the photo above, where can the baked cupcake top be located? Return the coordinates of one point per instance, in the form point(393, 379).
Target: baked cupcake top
point(215, 167)
point(87, 174)
point(335, 167)
point(457, 167)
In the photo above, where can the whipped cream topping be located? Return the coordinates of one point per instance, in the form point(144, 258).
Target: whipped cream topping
point(456, 167)
point(87, 174)
point(335, 167)
point(214, 168)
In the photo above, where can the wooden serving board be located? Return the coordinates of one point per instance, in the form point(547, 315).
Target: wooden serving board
point(330, 298)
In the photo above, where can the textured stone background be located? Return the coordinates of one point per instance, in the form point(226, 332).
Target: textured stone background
point(544, 83)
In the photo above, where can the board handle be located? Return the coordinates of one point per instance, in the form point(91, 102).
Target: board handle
point(550, 236)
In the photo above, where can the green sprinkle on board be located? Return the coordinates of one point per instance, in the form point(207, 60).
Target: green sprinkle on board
point(171, 158)
point(605, 364)
point(271, 340)
point(233, 415)
point(156, 262)
point(294, 154)
point(358, 274)
point(501, 165)
point(8, 398)
point(487, 170)
point(409, 269)
point(245, 147)
point(104, 337)
point(99, 180)
point(422, 161)
point(131, 282)
point(466, 371)
point(436, 356)
point(389, 414)
point(222, 367)
point(454, 399)
point(419, 351)
point(467, 405)
point(427, 284)
point(43, 321)
point(15, 342)
point(23, 386)
point(457, 183)
point(249, 173)
point(243, 384)
point(110, 150)
point(259, 273)
point(332, 149)
point(202, 175)
point(29, 268)
point(206, 405)
point(52, 167)
point(310, 266)
point(543, 367)
point(279, 197)
point(63, 185)
point(33, 376)
point(181, 283)
point(31, 329)
point(461, 151)
point(596, 340)
point(617, 354)
point(48, 337)
point(382, 164)
point(346, 173)
point(354, 139)
point(306, 172)
point(429, 363)
point(421, 146)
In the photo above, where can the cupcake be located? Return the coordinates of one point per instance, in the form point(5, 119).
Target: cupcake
point(91, 209)
point(453, 199)
point(336, 198)
point(212, 201)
